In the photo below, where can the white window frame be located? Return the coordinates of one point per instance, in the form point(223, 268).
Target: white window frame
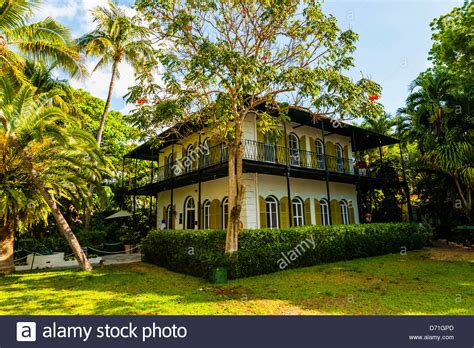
point(294, 146)
point(344, 211)
point(169, 216)
point(206, 215)
point(186, 209)
point(225, 212)
point(271, 207)
point(320, 154)
point(339, 158)
point(324, 207)
point(298, 217)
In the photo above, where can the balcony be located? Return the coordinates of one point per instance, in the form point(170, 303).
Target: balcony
point(255, 152)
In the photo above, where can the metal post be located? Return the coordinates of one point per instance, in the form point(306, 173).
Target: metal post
point(406, 188)
point(327, 173)
point(360, 209)
point(122, 203)
point(171, 223)
point(199, 185)
point(288, 187)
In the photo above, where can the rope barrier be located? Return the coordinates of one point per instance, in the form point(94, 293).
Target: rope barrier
point(111, 243)
point(114, 252)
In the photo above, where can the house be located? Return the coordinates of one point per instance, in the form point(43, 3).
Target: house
point(307, 177)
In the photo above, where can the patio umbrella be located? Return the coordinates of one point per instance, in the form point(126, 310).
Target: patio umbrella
point(119, 214)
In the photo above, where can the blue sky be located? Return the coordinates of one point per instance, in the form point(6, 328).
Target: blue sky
point(394, 40)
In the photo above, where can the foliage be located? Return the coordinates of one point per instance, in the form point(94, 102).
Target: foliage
point(45, 41)
point(197, 251)
point(453, 42)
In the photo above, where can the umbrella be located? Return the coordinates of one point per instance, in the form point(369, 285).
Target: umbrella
point(119, 214)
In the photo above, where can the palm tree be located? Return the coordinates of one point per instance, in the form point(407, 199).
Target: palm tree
point(45, 41)
point(116, 38)
point(441, 132)
point(44, 157)
point(382, 124)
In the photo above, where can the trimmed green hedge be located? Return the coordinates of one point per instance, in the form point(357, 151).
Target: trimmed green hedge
point(196, 252)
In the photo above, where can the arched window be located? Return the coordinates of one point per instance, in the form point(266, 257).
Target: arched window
point(271, 204)
point(269, 150)
point(169, 217)
point(206, 215)
point(189, 214)
point(344, 212)
point(206, 154)
point(188, 160)
point(323, 203)
point(339, 158)
point(225, 212)
point(320, 154)
point(294, 145)
point(298, 211)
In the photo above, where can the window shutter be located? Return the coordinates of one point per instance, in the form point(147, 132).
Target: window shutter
point(312, 148)
point(346, 158)
point(280, 152)
point(263, 212)
point(164, 217)
point(335, 212)
point(284, 213)
point(351, 214)
point(260, 137)
point(317, 210)
point(331, 153)
point(214, 214)
point(307, 212)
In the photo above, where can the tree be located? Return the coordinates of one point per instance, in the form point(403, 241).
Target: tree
point(229, 59)
point(442, 129)
point(453, 42)
point(117, 38)
point(383, 124)
point(45, 157)
point(45, 41)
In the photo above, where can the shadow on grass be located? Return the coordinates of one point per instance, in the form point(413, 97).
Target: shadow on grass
point(390, 284)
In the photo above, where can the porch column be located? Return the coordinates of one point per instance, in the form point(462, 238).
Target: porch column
point(199, 184)
point(360, 209)
point(405, 185)
point(171, 223)
point(327, 173)
point(288, 186)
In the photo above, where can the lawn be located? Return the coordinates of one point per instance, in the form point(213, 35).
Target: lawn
point(430, 281)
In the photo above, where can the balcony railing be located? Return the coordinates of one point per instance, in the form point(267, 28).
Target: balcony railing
point(253, 151)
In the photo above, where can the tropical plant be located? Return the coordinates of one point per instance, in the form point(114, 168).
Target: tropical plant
point(45, 157)
point(45, 41)
point(116, 38)
point(382, 124)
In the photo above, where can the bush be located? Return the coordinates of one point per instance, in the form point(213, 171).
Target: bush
point(262, 251)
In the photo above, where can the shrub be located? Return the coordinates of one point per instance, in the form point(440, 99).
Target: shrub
point(261, 251)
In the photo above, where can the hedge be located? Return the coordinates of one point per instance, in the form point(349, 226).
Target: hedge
point(261, 251)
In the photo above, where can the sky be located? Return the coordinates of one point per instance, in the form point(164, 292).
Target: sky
point(393, 46)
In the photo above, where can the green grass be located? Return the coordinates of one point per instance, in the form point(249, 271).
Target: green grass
point(422, 282)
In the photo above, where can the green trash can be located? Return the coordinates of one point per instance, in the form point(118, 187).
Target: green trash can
point(218, 275)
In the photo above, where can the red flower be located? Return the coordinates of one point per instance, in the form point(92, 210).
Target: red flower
point(141, 101)
point(262, 58)
point(373, 97)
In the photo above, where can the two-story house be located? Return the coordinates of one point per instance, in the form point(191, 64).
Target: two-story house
point(308, 176)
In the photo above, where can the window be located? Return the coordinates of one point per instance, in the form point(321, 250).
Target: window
point(169, 165)
point(344, 212)
point(268, 149)
point(206, 150)
point(206, 215)
point(294, 145)
point(169, 217)
point(319, 154)
point(225, 212)
point(323, 203)
point(188, 160)
point(271, 204)
point(189, 214)
point(298, 211)
point(339, 159)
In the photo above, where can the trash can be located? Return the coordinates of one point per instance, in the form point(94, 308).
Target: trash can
point(218, 275)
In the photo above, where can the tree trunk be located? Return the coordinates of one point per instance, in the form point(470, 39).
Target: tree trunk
point(7, 238)
point(66, 231)
point(100, 132)
point(236, 193)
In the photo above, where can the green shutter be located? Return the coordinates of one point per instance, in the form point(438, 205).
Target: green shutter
point(312, 148)
point(307, 212)
point(336, 218)
point(263, 212)
point(284, 213)
point(280, 149)
point(214, 214)
point(317, 210)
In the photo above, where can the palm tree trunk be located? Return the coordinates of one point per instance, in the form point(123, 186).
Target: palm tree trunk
point(100, 132)
point(66, 231)
point(107, 102)
point(7, 238)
